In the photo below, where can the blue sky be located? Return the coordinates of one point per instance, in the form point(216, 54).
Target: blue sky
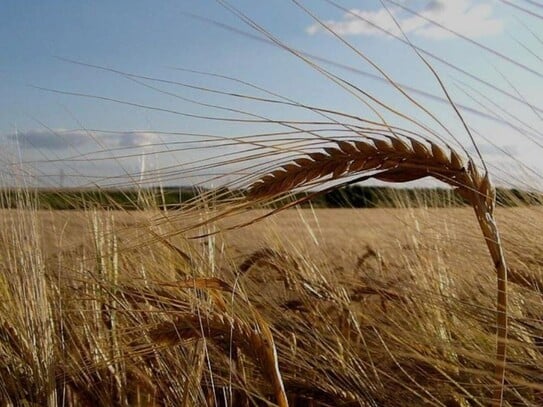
point(40, 130)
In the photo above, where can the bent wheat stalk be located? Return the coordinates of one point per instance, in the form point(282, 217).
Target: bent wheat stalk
point(255, 338)
point(400, 159)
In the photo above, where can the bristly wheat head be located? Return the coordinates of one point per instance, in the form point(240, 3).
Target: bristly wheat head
point(397, 160)
point(402, 159)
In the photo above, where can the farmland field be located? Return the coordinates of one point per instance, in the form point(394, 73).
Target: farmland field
point(387, 307)
point(326, 234)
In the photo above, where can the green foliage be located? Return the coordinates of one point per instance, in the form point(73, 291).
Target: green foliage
point(126, 199)
point(386, 197)
point(355, 196)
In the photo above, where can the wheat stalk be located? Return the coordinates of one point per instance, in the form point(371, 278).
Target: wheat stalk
point(254, 337)
point(256, 341)
point(401, 159)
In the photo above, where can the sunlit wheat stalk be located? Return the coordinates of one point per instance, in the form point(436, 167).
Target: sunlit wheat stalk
point(401, 159)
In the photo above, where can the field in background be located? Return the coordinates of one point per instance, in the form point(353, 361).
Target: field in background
point(372, 307)
point(326, 232)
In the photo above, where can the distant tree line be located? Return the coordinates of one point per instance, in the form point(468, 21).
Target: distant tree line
point(174, 197)
point(358, 196)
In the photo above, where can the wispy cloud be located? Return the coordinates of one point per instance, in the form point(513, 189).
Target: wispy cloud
point(61, 139)
point(472, 19)
point(47, 139)
point(135, 139)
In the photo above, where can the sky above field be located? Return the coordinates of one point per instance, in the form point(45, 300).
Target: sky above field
point(120, 92)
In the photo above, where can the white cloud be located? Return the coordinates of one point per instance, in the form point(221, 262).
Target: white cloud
point(462, 16)
point(61, 139)
point(136, 139)
point(46, 139)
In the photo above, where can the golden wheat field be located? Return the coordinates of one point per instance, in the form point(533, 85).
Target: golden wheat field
point(324, 307)
point(232, 203)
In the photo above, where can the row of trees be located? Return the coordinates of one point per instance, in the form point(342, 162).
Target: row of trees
point(349, 197)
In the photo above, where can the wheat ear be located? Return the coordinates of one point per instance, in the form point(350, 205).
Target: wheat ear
point(400, 159)
point(255, 337)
